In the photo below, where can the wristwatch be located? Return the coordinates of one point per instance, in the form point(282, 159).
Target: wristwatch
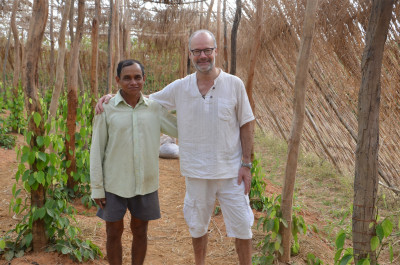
point(249, 165)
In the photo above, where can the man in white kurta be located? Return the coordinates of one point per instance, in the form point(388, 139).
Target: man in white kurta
point(215, 138)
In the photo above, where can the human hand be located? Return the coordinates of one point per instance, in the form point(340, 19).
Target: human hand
point(245, 175)
point(101, 202)
point(104, 99)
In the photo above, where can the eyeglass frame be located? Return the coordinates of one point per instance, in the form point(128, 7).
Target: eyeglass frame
point(207, 51)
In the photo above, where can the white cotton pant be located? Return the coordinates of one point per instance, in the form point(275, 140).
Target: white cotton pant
point(199, 205)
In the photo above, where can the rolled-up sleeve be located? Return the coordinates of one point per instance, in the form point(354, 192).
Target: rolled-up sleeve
point(97, 149)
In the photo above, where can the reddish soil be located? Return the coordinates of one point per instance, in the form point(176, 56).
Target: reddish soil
point(169, 241)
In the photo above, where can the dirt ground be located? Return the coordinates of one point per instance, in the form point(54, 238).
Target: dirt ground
point(169, 241)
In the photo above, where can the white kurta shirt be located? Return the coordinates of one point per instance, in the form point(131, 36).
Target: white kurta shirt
point(209, 127)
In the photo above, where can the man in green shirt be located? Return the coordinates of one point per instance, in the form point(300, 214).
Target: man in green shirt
point(124, 161)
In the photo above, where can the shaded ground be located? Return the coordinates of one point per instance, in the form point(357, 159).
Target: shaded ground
point(169, 241)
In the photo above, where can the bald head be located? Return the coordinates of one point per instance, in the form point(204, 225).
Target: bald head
point(202, 32)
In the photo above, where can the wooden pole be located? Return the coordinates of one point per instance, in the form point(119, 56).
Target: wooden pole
point(297, 126)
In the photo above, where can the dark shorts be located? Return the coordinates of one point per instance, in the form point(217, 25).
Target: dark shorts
point(144, 207)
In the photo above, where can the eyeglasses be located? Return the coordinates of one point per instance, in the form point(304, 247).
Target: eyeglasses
point(207, 51)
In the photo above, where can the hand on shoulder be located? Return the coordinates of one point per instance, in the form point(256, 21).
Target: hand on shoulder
point(104, 99)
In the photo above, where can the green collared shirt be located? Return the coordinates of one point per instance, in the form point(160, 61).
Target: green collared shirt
point(125, 147)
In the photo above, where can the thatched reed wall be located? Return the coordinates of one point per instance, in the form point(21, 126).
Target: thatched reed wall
point(334, 79)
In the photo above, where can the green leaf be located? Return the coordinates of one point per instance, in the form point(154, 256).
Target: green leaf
point(363, 262)
point(19, 253)
point(24, 157)
point(28, 239)
point(37, 118)
point(374, 243)
point(340, 240)
point(47, 141)
point(379, 231)
point(2, 244)
point(42, 156)
point(40, 141)
point(41, 212)
point(9, 255)
point(387, 226)
point(346, 259)
point(28, 139)
point(40, 177)
point(32, 179)
point(31, 158)
point(27, 187)
point(65, 250)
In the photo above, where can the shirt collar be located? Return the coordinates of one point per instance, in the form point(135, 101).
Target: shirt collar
point(119, 99)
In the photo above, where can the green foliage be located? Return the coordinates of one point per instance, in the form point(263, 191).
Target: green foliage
point(7, 141)
point(84, 118)
point(16, 120)
point(313, 260)
point(272, 221)
point(383, 239)
point(46, 158)
point(258, 186)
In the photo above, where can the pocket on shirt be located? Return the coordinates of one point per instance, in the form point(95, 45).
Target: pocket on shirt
point(226, 109)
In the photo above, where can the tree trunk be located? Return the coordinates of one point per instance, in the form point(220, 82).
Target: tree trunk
point(71, 21)
point(37, 26)
point(235, 28)
point(126, 41)
point(297, 126)
point(253, 59)
point(116, 39)
point(5, 64)
point(17, 54)
point(366, 167)
point(209, 11)
point(225, 38)
point(51, 68)
point(95, 53)
point(110, 73)
point(60, 62)
point(72, 96)
point(201, 14)
point(254, 52)
point(219, 31)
